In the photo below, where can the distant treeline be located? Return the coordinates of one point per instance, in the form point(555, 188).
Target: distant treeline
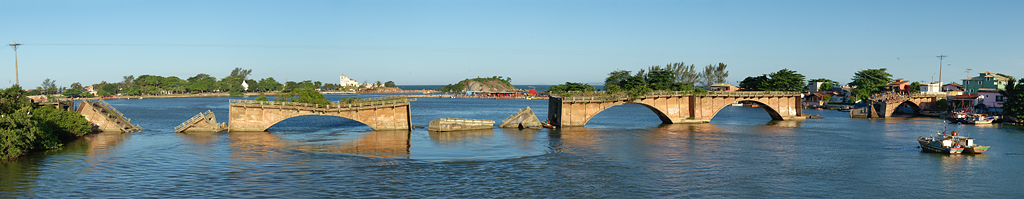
point(200, 83)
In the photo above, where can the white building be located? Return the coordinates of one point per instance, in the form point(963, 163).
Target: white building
point(932, 88)
point(345, 81)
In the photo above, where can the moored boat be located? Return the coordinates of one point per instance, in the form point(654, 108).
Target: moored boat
point(951, 143)
point(939, 145)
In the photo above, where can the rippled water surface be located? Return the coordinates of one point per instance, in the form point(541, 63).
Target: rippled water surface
point(624, 152)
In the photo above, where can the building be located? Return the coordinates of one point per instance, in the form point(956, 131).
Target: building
point(952, 87)
point(345, 81)
point(899, 85)
point(984, 80)
point(933, 87)
point(992, 99)
point(814, 86)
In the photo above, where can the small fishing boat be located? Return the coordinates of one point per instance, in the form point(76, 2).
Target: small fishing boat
point(968, 144)
point(939, 144)
point(973, 119)
point(950, 143)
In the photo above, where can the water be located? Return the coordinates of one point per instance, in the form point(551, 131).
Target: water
point(624, 152)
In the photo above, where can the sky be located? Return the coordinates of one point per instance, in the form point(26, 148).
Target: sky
point(531, 41)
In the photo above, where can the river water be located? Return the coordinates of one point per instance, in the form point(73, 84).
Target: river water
point(624, 152)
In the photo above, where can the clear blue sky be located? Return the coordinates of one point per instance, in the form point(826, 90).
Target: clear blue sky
point(534, 42)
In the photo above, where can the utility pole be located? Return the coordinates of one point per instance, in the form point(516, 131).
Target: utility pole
point(941, 56)
point(15, 45)
point(968, 73)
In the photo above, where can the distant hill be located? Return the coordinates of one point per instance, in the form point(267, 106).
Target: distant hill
point(489, 84)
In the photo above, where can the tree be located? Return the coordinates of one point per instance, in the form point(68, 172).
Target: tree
point(24, 127)
point(390, 84)
point(685, 74)
point(787, 80)
point(915, 86)
point(201, 83)
point(72, 93)
point(782, 80)
point(269, 84)
point(77, 86)
point(240, 73)
point(308, 95)
point(107, 89)
point(660, 78)
point(758, 83)
point(571, 86)
point(1013, 105)
point(713, 74)
point(128, 81)
point(869, 81)
point(49, 86)
point(615, 80)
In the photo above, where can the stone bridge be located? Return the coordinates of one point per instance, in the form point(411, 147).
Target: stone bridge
point(379, 113)
point(884, 107)
point(673, 108)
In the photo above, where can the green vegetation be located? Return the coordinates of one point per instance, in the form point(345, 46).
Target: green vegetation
point(673, 77)
point(782, 80)
point(571, 86)
point(461, 86)
point(942, 104)
point(390, 84)
point(1013, 106)
point(262, 99)
point(869, 81)
point(25, 127)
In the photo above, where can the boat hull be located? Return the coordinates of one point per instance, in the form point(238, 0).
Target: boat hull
point(937, 147)
point(975, 149)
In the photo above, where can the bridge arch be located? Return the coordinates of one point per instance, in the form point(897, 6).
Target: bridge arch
point(247, 115)
point(771, 110)
point(673, 108)
point(913, 105)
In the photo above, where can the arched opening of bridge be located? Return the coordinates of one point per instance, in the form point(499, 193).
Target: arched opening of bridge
point(631, 115)
point(318, 123)
point(907, 108)
point(745, 111)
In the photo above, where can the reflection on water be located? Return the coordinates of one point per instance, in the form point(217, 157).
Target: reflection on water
point(255, 147)
point(100, 143)
point(386, 144)
point(460, 138)
point(785, 123)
